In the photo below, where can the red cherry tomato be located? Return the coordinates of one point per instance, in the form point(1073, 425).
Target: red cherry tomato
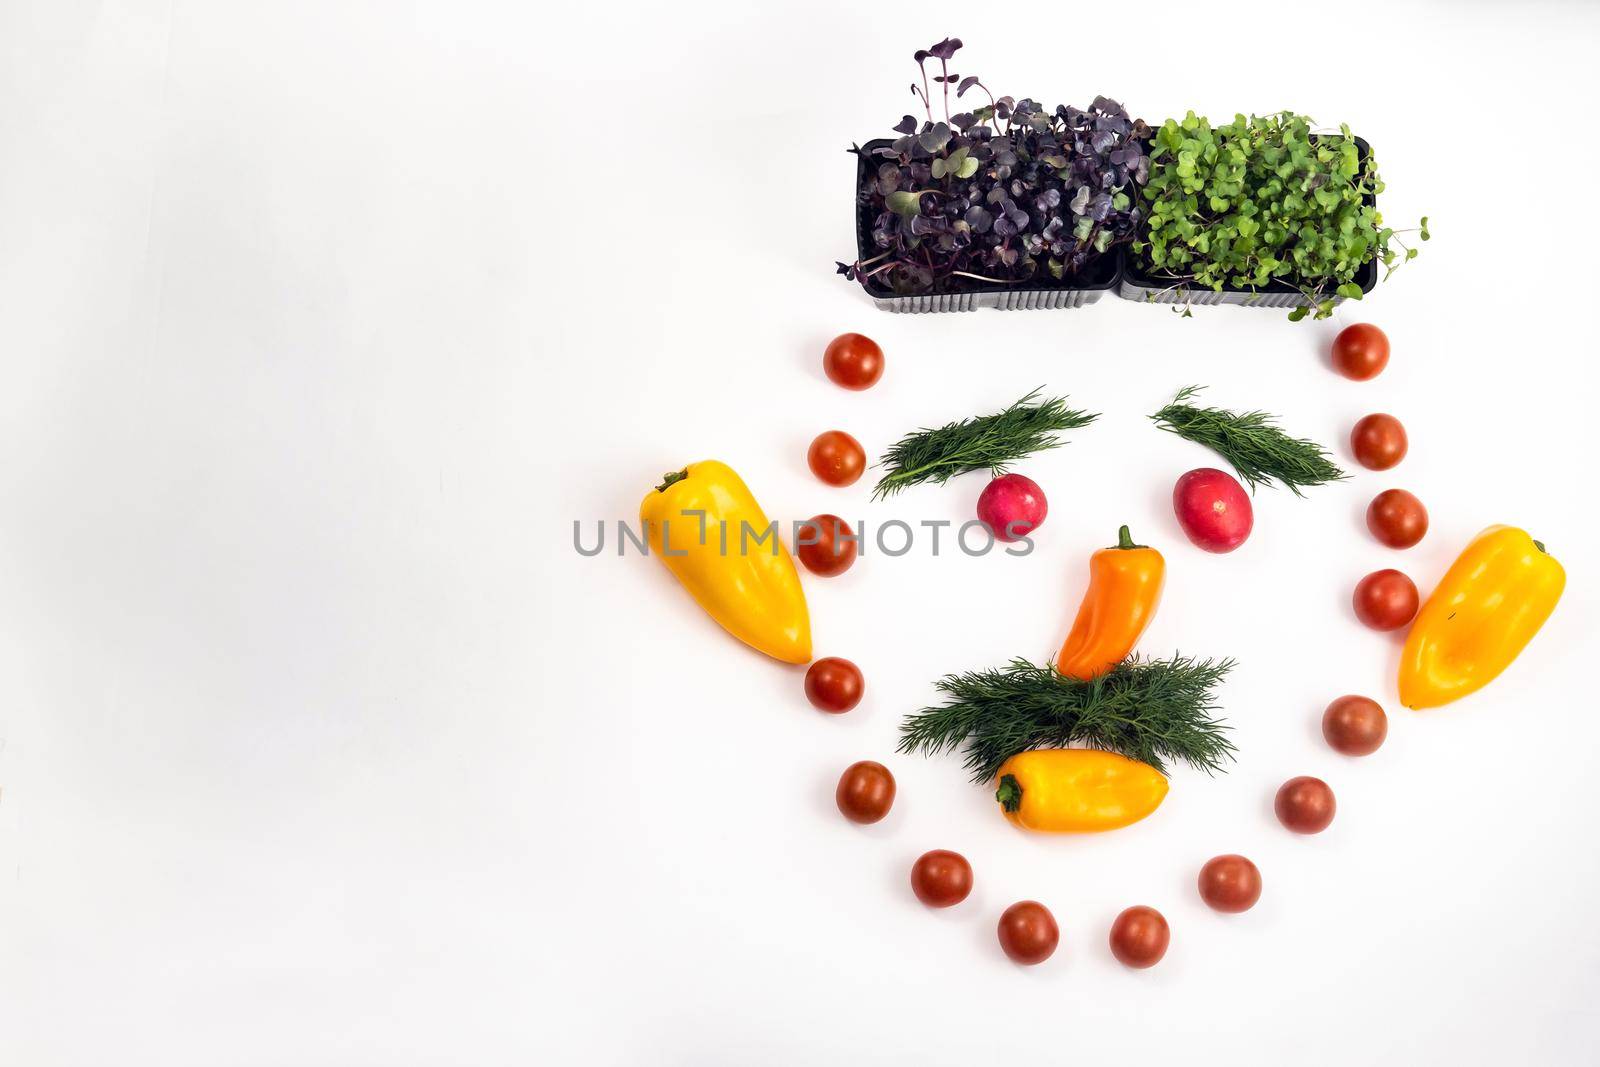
point(1028, 932)
point(1385, 600)
point(836, 458)
point(865, 793)
point(1230, 883)
point(1397, 519)
point(1354, 726)
point(1378, 442)
point(853, 360)
point(1140, 936)
point(1213, 509)
point(834, 685)
point(941, 878)
point(1361, 351)
point(827, 545)
point(1304, 805)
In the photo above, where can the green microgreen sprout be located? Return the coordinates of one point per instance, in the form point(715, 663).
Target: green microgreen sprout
point(1265, 200)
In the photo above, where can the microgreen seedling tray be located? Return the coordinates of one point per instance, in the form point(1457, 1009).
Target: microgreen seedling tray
point(1135, 284)
point(1086, 288)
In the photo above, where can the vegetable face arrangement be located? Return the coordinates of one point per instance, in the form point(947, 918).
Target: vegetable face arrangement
point(1011, 193)
point(1084, 744)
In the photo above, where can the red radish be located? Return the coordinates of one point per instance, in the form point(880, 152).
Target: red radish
point(1213, 509)
point(1012, 506)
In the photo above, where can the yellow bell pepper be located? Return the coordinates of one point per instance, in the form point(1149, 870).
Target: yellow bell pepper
point(1077, 790)
point(703, 523)
point(1484, 611)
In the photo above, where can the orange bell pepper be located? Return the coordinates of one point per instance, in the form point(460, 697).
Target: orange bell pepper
point(1124, 588)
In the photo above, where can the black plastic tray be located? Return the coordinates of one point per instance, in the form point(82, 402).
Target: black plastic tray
point(1078, 291)
point(1135, 284)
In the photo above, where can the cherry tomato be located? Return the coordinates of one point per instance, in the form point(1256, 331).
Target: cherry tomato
point(1397, 519)
point(941, 878)
point(834, 685)
point(836, 458)
point(1354, 726)
point(1304, 805)
point(827, 545)
point(1028, 932)
point(1385, 600)
point(1378, 442)
point(866, 792)
point(1230, 883)
point(1139, 937)
point(853, 360)
point(1360, 352)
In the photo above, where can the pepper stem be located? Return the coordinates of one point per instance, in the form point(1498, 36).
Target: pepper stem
point(1540, 546)
point(1009, 794)
point(670, 477)
point(1125, 539)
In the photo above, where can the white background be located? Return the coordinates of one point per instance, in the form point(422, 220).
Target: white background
point(320, 323)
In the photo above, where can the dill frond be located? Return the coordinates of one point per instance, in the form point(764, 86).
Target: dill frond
point(985, 442)
point(1151, 710)
point(1251, 443)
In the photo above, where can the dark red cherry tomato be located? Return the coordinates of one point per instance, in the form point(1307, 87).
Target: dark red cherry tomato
point(1140, 936)
point(1304, 805)
point(1354, 726)
point(1360, 352)
point(1028, 932)
point(1397, 518)
point(941, 878)
point(853, 360)
point(866, 792)
point(1378, 442)
point(836, 458)
point(834, 685)
point(1230, 883)
point(1385, 600)
point(827, 545)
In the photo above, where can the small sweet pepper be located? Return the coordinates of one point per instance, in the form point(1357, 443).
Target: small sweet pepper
point(704, 524)
point(1077, 790)
point(1124, 588)
point(1485, 610)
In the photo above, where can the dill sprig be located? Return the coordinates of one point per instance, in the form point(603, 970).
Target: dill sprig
point(1255, 447)
point(984, 442)
point(1146, 709)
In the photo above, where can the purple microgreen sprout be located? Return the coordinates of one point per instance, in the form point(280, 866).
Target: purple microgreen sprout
point(1005, 194)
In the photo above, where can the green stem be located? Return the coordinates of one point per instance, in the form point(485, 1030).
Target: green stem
point(1125, 539)
point(669, 479)
point(1009, 794)
point(1540, 546)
